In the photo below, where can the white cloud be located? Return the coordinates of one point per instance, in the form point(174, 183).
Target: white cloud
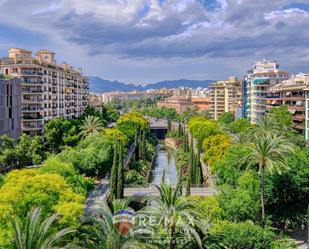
point(149, 29)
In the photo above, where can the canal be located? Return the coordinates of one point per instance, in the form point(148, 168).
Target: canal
point(164, 162)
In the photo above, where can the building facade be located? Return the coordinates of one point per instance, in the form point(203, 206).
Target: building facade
point(291, 93)
point(179, 103)
point(49, 90)
point(225, 96)
point(257, 82)
point(10, 107)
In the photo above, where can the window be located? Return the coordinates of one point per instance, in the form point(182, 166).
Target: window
point(10, 112)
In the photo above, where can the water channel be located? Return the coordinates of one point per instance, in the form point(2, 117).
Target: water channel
point(165, 161)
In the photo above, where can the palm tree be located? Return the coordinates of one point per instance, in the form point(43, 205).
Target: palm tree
point(91, 125)
point(178, 214)
point(269, 153)
point(36, 233)
point(265, 126)
point(99, 232)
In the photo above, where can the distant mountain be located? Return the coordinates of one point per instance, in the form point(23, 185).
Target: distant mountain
point(100, 85)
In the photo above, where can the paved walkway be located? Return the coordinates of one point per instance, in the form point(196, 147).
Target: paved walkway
point(202, 192)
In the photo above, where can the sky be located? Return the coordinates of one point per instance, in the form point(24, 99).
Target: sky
point(145, 41)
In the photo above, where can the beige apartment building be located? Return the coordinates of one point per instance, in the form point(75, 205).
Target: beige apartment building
point(294, 94)
point(49, 90)
point(225, 96)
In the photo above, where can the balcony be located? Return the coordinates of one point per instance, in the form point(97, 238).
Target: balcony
point(32, 109)
point(37, 117)
point(32, 100)
point(298, 126)
point(299, 117)
point(27, 91)
point(296, 107)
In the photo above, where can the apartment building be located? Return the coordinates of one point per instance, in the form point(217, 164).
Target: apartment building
point(179, 103)
point(225, 96)
point(10, 106)
point(307, 112)
point(291, 93)
point(49, 90)
point(257, 82)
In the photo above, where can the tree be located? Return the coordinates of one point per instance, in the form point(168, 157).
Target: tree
point(92, 156)
point(131, 123)
point(100, 231)
point(201, 128)
point(59, 132)
point(241, 125)
point(215, 147)
point(265, 126)
point(120, 173)
point(113, 181)
point(36, 233)
point(268, 152)
point(178, 214)
point(282, 117)
point(115, 135)
point(226, 118)
point(287, 194)
point(24, 189)
point(91, 125)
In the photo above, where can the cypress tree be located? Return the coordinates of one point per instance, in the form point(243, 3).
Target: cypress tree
point(120, 173)
point(180, 178)
point(144, 145)
point(198, 168)
point(169, 124)
point(179, 128)
point(189, 173)
point(113, 182)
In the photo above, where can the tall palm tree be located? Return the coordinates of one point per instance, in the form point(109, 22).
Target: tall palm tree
point(91, 125)
point(265, 126)
point(269, 153)
point(178, 214)
point(36, 233)
point(99, 232)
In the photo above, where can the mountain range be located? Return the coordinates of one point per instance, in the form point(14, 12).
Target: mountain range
point(99, 85)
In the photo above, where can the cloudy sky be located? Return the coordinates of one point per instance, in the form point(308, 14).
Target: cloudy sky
point(144, 41)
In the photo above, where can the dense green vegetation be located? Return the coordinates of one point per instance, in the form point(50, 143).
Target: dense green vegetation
point(261, 171)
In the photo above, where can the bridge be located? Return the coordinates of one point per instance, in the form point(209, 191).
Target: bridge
point(152, 191)
point(159, 127)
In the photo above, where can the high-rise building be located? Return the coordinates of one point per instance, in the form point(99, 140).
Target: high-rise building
point(10, 106)
point(225, 96)
point(257, 82)
point(291, 93)
point(49, 90)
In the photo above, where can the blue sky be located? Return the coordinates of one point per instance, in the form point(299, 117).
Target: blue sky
point(143, 41)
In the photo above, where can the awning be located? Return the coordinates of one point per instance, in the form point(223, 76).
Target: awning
point(292, 111)
point(260, 81)
point(299, 103)
point(287, 93)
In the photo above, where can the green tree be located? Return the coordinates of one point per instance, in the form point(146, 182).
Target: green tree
point(241, 125)
point(24, 189)
point(178, 214)
point(100, 231)
point(113, 181)
point(92, 156)
point(268, 152)
point(36, 233)
point(91, 125)
point(282, 117)
point(215, 147)
point(120, 173)
point(226, 118)
point(131, 123)
point(59, 132)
